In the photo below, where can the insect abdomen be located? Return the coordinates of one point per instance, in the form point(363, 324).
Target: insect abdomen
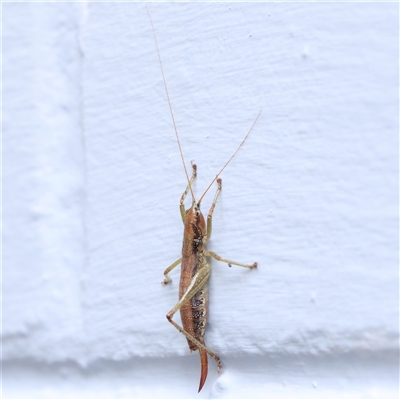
point(199, 312)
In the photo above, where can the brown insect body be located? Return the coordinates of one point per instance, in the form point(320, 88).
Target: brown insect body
point(193, 289)
point(194, 312)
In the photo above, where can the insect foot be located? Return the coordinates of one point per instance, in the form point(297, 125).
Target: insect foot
point(219, 366)
point(194, 168)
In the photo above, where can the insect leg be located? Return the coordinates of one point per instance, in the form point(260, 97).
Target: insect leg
point(196, 284)
point(181, 205)
point(169, 269)
point(229, 262)
point(209, 216)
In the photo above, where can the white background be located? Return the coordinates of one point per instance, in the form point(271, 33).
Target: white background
point(92, 179)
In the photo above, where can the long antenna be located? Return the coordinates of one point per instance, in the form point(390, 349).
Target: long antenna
point(234, 154)
point(170, 106)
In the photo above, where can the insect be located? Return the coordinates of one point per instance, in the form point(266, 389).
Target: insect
point(195, 268)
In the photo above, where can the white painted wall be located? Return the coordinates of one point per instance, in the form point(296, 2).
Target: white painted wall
point(92, 180)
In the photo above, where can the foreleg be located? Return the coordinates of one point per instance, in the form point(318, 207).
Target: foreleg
point(181, 205)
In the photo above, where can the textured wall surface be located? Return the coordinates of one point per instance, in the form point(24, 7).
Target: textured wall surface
point(92, 179)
